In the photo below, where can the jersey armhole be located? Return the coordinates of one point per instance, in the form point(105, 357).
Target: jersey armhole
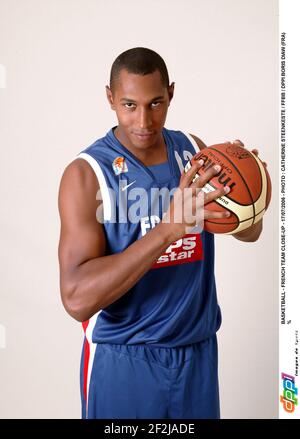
point(102, 183)
point(193, 141)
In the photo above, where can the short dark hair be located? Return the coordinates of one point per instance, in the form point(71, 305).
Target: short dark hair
point(140, 61)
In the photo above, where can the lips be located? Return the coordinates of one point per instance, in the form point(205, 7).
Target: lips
point(143, 136)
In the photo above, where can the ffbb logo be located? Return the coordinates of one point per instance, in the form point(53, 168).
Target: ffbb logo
point(288, 397)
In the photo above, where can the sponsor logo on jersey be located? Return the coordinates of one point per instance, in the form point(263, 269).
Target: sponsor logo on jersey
point(184, 250)
point(187, 249)
point(119, 165)
point(126, 186)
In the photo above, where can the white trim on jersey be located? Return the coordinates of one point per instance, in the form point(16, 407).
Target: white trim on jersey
point(92, 346)
point(102, 183)
point(192, 140)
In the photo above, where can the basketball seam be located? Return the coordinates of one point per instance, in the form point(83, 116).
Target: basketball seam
point(253, 207)
point(261, 180)
point(225, 197)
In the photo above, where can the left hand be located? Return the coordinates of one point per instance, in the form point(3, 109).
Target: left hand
point(253, 232)
point(255, 151)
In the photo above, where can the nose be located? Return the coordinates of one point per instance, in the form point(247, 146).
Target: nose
point(144, 119)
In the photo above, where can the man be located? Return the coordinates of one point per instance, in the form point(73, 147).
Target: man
point(142, 284)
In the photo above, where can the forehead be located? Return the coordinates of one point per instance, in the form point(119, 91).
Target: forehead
point(139, 87)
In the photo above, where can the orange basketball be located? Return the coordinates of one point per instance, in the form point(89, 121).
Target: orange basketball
point(249, 182)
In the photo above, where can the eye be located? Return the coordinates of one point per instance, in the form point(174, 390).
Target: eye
point(131, 105)
point(128, 103)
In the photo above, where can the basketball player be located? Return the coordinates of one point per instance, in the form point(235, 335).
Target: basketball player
point(144, 290)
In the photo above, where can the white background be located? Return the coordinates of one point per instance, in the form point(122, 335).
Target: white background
point(289, 23)
point(223, 57)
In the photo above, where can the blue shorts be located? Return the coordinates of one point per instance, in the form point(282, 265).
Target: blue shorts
point(146, 382)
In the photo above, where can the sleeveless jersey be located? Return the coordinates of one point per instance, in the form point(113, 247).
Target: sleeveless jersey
point(175, 302)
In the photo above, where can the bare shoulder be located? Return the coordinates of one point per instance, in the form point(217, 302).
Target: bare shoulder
point(200, 143)
point(82, 236)
point(79, 188)
point(79, 173)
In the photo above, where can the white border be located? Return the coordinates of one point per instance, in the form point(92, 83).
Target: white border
point(289, 13)
point(102, 183)
point(192, 140)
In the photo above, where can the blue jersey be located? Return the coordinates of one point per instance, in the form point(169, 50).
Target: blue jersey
point(175, 302)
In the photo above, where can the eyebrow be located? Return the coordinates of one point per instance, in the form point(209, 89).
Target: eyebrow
point(132, 100)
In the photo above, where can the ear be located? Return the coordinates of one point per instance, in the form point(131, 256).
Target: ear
point(110, 98)
point(171, 91)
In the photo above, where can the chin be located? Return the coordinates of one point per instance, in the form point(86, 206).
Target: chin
point(143, 142)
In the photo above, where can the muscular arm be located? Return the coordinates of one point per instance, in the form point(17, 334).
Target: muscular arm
point(90, 280)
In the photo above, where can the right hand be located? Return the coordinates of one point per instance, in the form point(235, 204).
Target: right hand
point(187, 208)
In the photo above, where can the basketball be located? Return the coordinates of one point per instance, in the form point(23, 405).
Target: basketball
point(249, 182)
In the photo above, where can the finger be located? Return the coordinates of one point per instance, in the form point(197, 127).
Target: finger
point(210, 214)
point(238, 142)
point(255, 151)
point(188, 177)
point(265, 164)
point(204, 178)
point(213, 195)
